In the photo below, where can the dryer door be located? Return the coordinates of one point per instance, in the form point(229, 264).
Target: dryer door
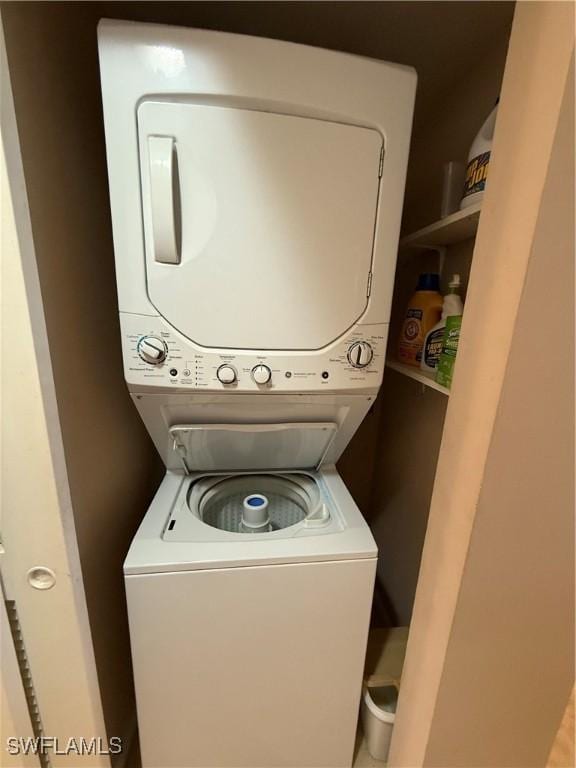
point(258, 227)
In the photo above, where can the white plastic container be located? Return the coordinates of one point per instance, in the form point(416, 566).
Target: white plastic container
point(378, 716)
point(478, 162)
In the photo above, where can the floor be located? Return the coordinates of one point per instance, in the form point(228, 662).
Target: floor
point(362, 758)
point(561, 755)
point(562, 752)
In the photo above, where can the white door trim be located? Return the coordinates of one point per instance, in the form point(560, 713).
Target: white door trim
point(37, 517)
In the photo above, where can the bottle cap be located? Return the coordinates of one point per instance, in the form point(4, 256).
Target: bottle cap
point(455, 282)
point(428, 281)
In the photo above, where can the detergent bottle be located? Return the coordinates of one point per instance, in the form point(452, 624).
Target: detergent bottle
point(432, 348)
point(423, 312)
point(478, 162)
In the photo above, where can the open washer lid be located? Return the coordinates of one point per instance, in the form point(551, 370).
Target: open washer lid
point(247, 447)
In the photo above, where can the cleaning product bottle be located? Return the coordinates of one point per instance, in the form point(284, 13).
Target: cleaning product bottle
point(423, 311)
point(478, 161)
point(447, 360)
point(432, 348)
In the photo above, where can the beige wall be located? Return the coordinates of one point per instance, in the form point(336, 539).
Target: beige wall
point(510, 662)
point(450, 126)
point(488, 665)
point(51, 626)
point(112, 466)
point(410, 432)
point(412, 420)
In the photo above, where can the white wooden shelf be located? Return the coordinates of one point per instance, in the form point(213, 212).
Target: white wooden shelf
point(426, 379)
point(455, 228)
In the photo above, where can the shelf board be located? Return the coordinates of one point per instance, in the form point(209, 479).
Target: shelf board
point(426, 379)
point(455, 228)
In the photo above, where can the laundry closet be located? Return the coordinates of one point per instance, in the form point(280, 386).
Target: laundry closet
point(401, 461)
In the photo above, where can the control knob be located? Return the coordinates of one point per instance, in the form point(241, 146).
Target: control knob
point(360, 354)
point(226, 374)
point(152, 350)
point(261, 374)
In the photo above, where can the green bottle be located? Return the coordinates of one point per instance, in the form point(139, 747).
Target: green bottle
point(449, 348)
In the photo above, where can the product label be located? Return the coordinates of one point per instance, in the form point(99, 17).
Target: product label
point(433, 348)
point(415, 313)
point(410, 347)
point(476, 174)
point(449, 349)
point(417, 323)
point(412, 324)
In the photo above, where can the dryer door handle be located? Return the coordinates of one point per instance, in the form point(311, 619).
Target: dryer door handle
point(165, 199)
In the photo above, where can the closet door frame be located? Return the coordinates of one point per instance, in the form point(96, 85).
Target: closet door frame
point(453, 711)
point(40, 573)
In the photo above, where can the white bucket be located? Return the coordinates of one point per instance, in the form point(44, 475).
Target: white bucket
point(378, 715)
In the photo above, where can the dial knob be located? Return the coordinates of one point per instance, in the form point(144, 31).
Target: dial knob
point(261, 374)
point(152, 350)
point(226, 374)
point(360, 354)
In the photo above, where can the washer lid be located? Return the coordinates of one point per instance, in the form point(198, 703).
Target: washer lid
point(245, 447)
point(259, 227)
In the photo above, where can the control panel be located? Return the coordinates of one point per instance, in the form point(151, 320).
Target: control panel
point(155, 355)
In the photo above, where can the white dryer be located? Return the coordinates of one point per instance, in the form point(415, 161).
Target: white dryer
point(256, 190)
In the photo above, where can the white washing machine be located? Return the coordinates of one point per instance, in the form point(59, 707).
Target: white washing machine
point(256, 191)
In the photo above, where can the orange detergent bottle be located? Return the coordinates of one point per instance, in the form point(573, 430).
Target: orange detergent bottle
point(424, 311)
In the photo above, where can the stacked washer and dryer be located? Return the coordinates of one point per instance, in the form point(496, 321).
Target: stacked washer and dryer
point(256, 190)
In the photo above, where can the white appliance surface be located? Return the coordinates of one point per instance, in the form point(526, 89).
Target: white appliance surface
point(269, 205)
point(187, 367)
point(299, 443)
point(249, 653)
point(251, 667)
point(256, 192)
point(238, 447)
point(347, 537)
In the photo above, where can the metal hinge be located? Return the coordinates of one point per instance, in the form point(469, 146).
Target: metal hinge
point(381, 164)
point(369, 286)
point(26, 677)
